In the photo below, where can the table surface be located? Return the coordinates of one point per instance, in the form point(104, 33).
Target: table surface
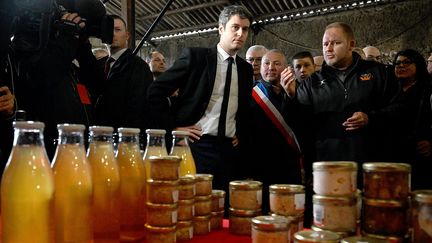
point(221, 236)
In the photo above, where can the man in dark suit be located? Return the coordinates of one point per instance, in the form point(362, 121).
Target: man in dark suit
point(200, 74)
point(121, 98)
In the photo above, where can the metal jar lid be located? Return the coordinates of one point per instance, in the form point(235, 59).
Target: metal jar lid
point(244, 213)
point(101, 129)
point(202, 217)
point(155, 229)
point(204, 177)
point(128, 131)
point(180, 133)
point(71, 127)
point(184, 224)
point(385, 203)
point(362, 239)
point(165, 159)
point(245, 185)
point(186, 202)
point(203, 198)
point(187, 180)
point(334, 165)
point(218, 193)
point(162, 206)
point(386, 167)
point(423, 196)
point(319, 199)
point(286, 188)
point(270, 223)
point(317, 236)
point(162, 182)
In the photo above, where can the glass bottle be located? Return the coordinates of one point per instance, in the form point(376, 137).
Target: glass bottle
point(27, 187)
point(132, 185)
point(155, 147)
point(181, 148)
point(73, 186)
point(106, 185)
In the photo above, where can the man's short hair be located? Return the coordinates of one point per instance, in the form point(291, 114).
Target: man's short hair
point(115, 16)
point(233, 10)
point(257, 48)
point(303, 54)
point(345, 28)
point(277, 51)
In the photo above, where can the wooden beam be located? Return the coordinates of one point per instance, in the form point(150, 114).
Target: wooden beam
point(128, 14)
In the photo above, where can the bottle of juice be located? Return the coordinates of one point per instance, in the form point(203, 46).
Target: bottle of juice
point(155, 147)
point(73, 186)
point(132, 185)
point(106, 185)
point(180, 147)
point(27, 188)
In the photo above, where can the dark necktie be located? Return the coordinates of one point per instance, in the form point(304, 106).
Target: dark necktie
point(108, 66)
point(224, 107)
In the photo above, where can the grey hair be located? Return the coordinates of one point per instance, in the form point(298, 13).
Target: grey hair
point(257, 48)
point(233, 10)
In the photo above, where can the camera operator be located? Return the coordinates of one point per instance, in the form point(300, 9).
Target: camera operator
point(48, 88)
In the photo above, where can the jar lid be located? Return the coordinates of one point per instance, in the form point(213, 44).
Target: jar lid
point(186, 201)
point(154, 229)
point(162, 182)
point(166, 158)
point(334, 165)
point(204, 177)
point(270, 223)
point(71, 127)
point(163, 206)
point(127, 130)
point(101, 129)
point(184, 224)
point(203, 198)
point(424, 196)
point(28, 125)
point(218, 193)
point(385, 203)
point(202, 217)
point(244, 213)
point(317, 236)
point(362, 239)
point(187, 179)
point(180, 133)
point(245, 185)
point(386, 167)
point(217, 213)
point(156, 131)
point(286, 188)
point(334, 199)
point(385, 238)
point(341, 234)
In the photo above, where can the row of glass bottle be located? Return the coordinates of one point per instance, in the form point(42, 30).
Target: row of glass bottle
point(93, 197)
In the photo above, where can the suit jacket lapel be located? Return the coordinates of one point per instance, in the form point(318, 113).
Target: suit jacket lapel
point(211, 70)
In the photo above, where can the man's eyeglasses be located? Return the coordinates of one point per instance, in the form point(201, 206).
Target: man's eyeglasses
point(252, 59)
point(404, 62)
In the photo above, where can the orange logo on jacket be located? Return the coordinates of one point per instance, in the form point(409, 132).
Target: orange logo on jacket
point(366, 77)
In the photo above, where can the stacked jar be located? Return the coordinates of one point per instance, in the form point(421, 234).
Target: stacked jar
point(186, 208)
point(421, 216)
point(203, 201)
point(386, 194)
point(288, 201)
point(162, 199)
point(245, 198)
point(335, 198)
point(217, 209)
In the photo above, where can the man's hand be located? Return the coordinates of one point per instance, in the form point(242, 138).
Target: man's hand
point(424, 148)
point(194, 131)
point(7, 101)
point(288, 81)
point(356, 121)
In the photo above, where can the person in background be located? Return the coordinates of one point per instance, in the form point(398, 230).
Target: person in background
point(279, 149)
point(429, 65)
point(100, 53)
point(121, 95)
point(318, 61)
point(414, 133)
point(212, 106)
point(360, 51)
point(253, 56)
point(157, 63)
point(372, 53)
point(303, 64)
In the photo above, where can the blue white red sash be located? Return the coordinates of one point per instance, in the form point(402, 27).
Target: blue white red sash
point(275, 116)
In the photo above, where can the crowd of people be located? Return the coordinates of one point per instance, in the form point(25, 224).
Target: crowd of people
point(276, 115)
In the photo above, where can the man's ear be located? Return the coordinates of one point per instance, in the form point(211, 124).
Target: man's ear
point(221, 29)
point(352, 44)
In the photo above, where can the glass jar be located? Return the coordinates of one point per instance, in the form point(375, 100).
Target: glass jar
point(310, 236)
point(181, 148)
point(218, 200)
point(287, 200)
point(160, 234)
point(164, 167)
point(132, 184)
point(27, 188)
point(386, 180)
point(73, 186)
point(161, 215)
point(240, 221)
point(362, 239)
point(203, 205)
point(186, 209)
point(216, 220)
point(184, 230)
point(422, 216)
point(245, 194)
point(187, 187)
point(270, 229)
point(162, 191)
point(106, 184)
point(335, 178)
point(335, 213)
point(201, 225)
point(155, 147)
point(203, 184)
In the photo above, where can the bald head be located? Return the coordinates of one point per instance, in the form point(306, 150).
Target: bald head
point(372, 53)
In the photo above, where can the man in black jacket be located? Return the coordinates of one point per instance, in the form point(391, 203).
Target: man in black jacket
point(200, 75)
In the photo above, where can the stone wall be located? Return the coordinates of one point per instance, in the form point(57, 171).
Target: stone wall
point(389, 27)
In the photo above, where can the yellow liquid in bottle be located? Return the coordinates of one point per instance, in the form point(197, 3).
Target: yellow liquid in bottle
point(152, 151)
point(106, 191)
point(132, 192)
point(27, 192)
point(73, 194)
point(187, 164)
